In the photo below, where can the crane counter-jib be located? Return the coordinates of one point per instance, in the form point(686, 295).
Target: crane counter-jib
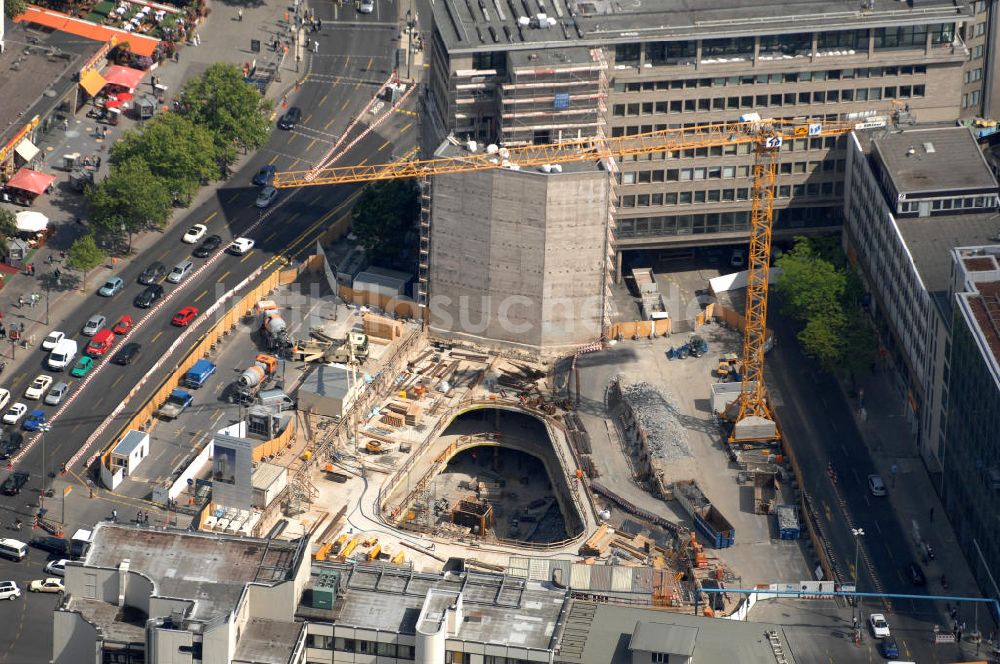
point(667, 140)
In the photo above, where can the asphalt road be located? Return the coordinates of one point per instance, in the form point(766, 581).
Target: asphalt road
point(339, 84)
point(822, 430)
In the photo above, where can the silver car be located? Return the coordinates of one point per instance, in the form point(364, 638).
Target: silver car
point(57, 394)
point(111, 287)
point(94, 325)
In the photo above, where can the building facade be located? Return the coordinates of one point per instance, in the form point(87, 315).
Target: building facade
point(593, 68)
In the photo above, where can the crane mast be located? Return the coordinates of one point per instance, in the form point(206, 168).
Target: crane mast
point(766, 138)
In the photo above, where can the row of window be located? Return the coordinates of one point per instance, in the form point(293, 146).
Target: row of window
point(794, 145)
point(359, 646)
point(725, 172)
point(946, 204)
point(904, 36)
point(772, 79)
point(970, 99)
point(707, 104)
point(727, 195)
point(725, 222)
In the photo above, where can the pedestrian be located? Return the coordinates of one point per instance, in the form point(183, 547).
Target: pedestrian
point(319, 24)
point(239, 14)
point(146, 518)
point(932, 515)
point(114, 515)
point(20, 301)
point(62, 255)
point(65, 125)
point(138, 516)
point(315, 46)
point(98, 161)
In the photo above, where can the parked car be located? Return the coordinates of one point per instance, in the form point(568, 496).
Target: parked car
point(184, 317)
point(82, 367)
point(265, 176)
point(52, 585)
point(9, 590)
point(37, 387)
point(291, 118)
point(889, 648)
point(14, 413)
point(50, 544)
point(53, 338)
point(195, 233)
point(916, 574)
point(148, 296)
point(111, 287)
point(879, 626)
point(57, 394)
point(123, 325)
point(11, 446)
point(366, 6)
point(876, 486)
point(34, 421)
point(13, 484)
point(127, 353)
point(208, 247)
point(56, 567)
point(4, 398)
point(152, 274)
point(94, 325)
point(240, 246)
point(266, 197)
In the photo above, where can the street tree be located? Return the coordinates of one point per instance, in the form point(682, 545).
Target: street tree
point(85, 255)
point(811, 285)
point(178, 151)
point(8, 225)
point(234, 111)
point(14, 8)
point(130, 199)
point(382, 217)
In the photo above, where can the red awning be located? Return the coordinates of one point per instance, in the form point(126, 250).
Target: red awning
point(29, 180)
point(126, 77)
point(138, 44)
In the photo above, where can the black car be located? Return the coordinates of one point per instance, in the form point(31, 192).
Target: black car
point(13, 484)
point(291, 118)
point(916, 574)
point(152, 274)
point(211, 243)
point(148, 296)
point(11, 444)
point(127, 353)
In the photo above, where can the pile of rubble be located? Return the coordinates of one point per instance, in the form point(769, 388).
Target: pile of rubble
point(656, 413)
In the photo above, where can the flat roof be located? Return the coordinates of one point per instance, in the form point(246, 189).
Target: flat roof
point(943, 159)
point(328, 380)
point(931, 239)
point(493, 24)
point(600, 634)
point(452, 150)
point(498, 609)
point(265, 641)
point(664, 637)
point(210, 570)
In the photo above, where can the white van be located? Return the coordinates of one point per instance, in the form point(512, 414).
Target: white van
point(13, 549)
point(63, 354)
point(180, 271)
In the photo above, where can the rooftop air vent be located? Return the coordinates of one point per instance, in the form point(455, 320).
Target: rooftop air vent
point(929, 148)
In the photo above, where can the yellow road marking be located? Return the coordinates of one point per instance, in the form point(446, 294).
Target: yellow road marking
point(292, 166)
point(304, 121)
point(118, 380)
point(347, 63)
point(370, 61)
point(273, 159)
point(316, 200)
point(384, 146)
point(223, 277)
point(406, 127)
point(203, 294)
point(242, 260)
point(311, 143)
point(268, 238)
point(232, 198)
point(344, 105)
point(210, 217)
point(291, 137)
point(323, 100)
point(363, 161)
point(155, 337)
point(329, 122)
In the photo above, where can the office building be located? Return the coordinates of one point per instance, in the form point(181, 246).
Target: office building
point(512, 72)
point(912, 196)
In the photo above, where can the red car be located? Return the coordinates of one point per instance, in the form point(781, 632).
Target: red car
point(101, 343)
point(184, 316)
point(123, 325)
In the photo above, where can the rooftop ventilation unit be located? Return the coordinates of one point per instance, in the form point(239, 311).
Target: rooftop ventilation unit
point(929, 148)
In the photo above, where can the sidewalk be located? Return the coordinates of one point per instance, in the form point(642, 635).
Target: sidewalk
point(222, 38)
point(884, 427)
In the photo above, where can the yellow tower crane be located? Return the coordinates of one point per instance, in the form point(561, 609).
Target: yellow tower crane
point(766, 137)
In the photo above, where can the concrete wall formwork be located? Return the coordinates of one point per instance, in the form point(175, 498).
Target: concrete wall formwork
point(518, 257)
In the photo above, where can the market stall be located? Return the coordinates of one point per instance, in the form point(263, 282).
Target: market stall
point(26, 185)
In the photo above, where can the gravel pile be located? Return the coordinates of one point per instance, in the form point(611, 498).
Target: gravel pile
point(657, 415)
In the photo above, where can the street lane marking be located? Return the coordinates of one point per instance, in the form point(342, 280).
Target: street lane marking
point(17, 379)
point(878, 528)
point(210, 217)
point(292, 166)
point(316, 200)
point(406, 127)
point(249, 254)
point(273, 159)
point(223, 277)
point(232, 198)
point(329, 122)
point(216, 420)
point(155, 337)
point(203, 294)
point(118, 380)
point(311, 143)
point(384, 145)
point(344, 105)
point(268, 238)
point(306, 120)
point(323, 100)
point(369, 65)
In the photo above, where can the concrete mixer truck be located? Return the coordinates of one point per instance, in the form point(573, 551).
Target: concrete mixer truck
point(254, 378)
point(273, 328)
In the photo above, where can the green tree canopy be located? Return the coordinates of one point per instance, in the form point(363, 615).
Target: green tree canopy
point(8, 225)
point(131, 196)
point(14, 8)
point(84, 255)
point(176, 150)
point(383, 215)
point(232, 109)
point(821, 291)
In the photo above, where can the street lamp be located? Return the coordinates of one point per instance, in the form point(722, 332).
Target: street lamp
point(858, 534)
point(42, 429)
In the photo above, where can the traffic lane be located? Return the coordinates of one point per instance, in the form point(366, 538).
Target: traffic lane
point(84, 414)
point(28, 619)
point(885, 541)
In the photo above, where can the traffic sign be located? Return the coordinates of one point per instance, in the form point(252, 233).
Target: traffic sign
point(815, 129)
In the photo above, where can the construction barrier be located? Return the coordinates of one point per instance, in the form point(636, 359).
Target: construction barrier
point(640, 328)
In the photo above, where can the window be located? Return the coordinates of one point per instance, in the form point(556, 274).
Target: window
point(903, 36)
point(772, 45)
point(665, 53)
point(343, 645)
point(843, 39)
point(727, 48)
point(977, 52)
point(404, 652)
point(619, 110)
point(660, 658)
point(386, 649)
point(321, 641)
point(627, 54)
point(942, 33)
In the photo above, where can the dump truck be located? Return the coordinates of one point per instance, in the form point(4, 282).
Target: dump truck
point(254, 378)
point(198, 374)
point(175, 404)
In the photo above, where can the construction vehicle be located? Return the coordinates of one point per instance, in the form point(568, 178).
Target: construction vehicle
point(348, 548)
point(321, 348)
point(253, 379)
point(273, 328)
point(375, 447)
point(750, 415)
point(176, 403)
point(373, 553)
point(727, 364)
point(196, 376)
